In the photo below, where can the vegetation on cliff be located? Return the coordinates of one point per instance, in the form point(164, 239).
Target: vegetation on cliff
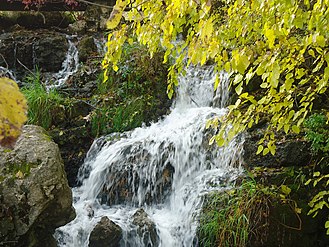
point(275, 51)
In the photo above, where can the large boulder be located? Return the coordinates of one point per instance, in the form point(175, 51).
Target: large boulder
point(105, 233)
point(35, 197)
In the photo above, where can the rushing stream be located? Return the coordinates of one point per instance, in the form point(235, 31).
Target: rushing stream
point(165, 169)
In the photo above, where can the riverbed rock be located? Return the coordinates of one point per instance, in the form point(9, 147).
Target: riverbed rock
point(87, 48)
point(105, 233)
point(35, 197)
point(145, 228)
point(135, 170)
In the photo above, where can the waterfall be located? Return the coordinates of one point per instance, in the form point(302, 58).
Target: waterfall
point(165, 169)
point(4, 72)
point(69, 67)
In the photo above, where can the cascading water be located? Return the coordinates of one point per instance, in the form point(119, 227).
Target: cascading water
point(4, 72)
point(165, 169)
point(69, 66)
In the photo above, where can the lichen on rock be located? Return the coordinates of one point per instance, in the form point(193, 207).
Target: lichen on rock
point(35, 197)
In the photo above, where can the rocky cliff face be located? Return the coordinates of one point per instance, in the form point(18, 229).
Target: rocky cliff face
point(24, 50)
point(35, 197)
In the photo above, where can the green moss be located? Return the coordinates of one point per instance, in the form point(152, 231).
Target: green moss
point(18, 170)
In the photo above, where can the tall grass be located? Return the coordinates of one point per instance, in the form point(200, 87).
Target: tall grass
point(232, 218)
point(41, 103)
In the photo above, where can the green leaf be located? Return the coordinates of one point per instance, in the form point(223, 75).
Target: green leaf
point(239, 88)
point(266, 151)
point(238, 78)
point(220, 141)
point(326, 224)
point(285, 189)
point(320, 41)
point(295, 129)
point(316, 174)
point(259, 149)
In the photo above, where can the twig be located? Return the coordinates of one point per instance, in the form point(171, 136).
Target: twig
point(24, 66)
point(7, 66)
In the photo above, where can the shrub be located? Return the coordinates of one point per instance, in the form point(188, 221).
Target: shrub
point(317, 132)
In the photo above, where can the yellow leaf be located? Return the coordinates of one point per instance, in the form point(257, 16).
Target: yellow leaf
point(239, 88)
point(130, 41)
point(13, 110)
point(19, 174)
point(216, 82)
point(115, 67)
point(298, 210)
point(269, 34)
point(316, 174)
point(116, 14)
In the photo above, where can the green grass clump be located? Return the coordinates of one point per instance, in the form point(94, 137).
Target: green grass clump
point(233, 217)
point(42, 104)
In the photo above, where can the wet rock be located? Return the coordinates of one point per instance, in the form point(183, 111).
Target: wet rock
point(27, 50)
point(34, 20)
point(135, 170)
point(95, 17)
point(72, 134)
point(291, 150)
point(105, 233)
point(74, 144)
point(78, 27)
point(87, 48)
point(145, 228)
point(35, 198)
point(82, 84)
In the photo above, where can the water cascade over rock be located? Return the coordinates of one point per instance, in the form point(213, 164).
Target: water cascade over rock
point(151, 181)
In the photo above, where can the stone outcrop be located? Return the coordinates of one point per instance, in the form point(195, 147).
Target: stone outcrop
point(24, 50)
point(35, 197)
point(145, 228)
point(105, 233)
point(292, 150)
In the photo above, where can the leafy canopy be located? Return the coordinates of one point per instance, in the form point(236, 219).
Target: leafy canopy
point(12, 112)
point(282, 45)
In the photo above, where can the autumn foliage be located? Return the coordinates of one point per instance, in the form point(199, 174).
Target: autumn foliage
point(281, 46)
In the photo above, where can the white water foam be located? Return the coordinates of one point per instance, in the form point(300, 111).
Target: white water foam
point(4, 72)
point(165, 168)
point(69, 67)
